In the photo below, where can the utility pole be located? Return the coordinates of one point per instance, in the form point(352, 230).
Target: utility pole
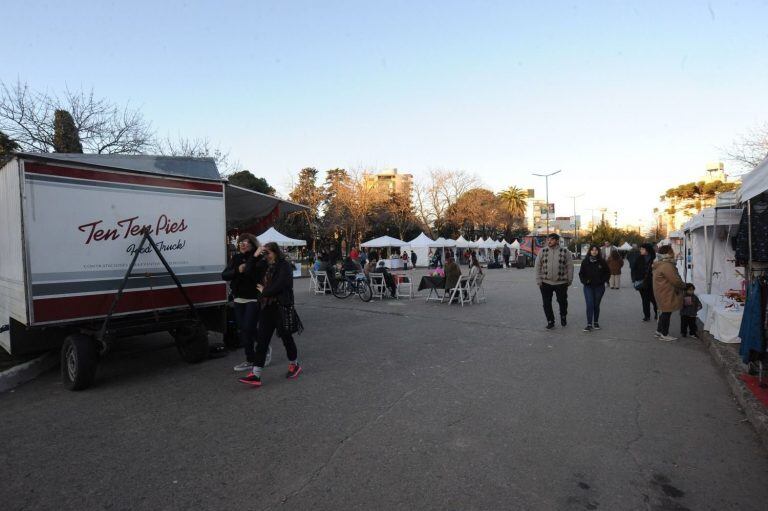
point(575, 222)
point(546, 184)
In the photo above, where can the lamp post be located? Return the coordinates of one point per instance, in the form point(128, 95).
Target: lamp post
point(575, 222)
point(546, 184)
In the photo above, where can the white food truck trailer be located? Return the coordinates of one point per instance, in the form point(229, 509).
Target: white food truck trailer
point(99, 247)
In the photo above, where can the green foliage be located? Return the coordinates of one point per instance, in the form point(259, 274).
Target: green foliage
point(698, 190)
point(245, 179)
point(7, 145)
point(605, 232)
point(513, 198)
point(66, 138)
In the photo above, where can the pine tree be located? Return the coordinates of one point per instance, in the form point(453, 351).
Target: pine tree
point(66, 138)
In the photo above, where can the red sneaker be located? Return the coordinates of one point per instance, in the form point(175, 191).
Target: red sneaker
point(251, 379)
point(293, 371)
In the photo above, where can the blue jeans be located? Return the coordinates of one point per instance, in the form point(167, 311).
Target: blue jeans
point(593, 296)
point(247, 317)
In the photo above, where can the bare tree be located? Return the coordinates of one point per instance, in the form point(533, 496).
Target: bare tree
point(27, 116)
point(750, 148)
point(197, 148)
point(439, 192)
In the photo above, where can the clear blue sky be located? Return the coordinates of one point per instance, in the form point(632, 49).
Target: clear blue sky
point(627, 98)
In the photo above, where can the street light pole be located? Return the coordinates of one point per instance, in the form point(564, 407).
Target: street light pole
point(546, 184)
point(575, 222)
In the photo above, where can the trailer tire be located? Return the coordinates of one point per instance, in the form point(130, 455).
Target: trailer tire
point(192, 343)
point(79, 359)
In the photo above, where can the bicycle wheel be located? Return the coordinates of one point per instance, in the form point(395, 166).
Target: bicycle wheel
point(343, 289)
point(364, 291)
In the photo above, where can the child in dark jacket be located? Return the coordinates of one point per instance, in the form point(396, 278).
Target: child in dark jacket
point(691, 305)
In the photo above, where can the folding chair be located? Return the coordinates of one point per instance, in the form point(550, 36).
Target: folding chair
point(404, 286)
point(460, 291)
point(378, 285)
point(313, 285)
point(323, 284)
point(477, 290)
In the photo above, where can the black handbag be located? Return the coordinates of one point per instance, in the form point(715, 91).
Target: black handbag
point(290, 321)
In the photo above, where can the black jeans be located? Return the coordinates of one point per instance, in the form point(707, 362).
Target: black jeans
point(247, 318)
point(269, 321)
point(561, 291)
point(688, 325)
point(663, 324)
point(647, 296)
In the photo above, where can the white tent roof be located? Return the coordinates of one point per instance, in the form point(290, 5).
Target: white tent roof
point(515, 244)
point(756, 182)
point(625, 246)
point(676, 234)
point(707, 217)
point(422, 240)
point(383, 242)
point(461, 242)
point(272, 235)
point(442, 242)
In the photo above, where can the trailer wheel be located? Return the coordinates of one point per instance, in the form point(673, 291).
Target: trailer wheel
point(79, 358)
point(192, 343)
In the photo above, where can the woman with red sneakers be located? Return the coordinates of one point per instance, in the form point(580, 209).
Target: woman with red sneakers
point(276, 293)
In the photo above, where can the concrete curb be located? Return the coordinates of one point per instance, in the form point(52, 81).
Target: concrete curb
point(728, 359)
point(30, 370)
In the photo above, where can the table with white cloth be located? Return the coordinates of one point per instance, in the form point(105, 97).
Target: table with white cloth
point(720, 321)
point(393, 263)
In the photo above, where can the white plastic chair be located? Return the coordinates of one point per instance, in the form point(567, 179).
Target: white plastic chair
point(476, 289)
point(460, 291)
point(378, 285)
point(405, 286)
point(323, 284)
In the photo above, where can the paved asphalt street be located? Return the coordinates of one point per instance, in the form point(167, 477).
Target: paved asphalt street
point(402, 405)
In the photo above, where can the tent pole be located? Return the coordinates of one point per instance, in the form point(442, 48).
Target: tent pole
point(749, 239)
point(712, 255)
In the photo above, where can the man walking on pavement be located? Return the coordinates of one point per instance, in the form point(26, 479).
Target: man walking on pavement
point(554, 274)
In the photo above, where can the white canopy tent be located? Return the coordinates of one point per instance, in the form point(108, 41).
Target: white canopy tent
point(713, 269)
point(515, 245)
point(383, 242)
point(462, 243)
point(754, 183)
point(272, 235)
point(420, 245)
point(625, 246)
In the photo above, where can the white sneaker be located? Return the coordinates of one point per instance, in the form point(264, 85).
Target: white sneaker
point(657, 334)
point(243, 366)
point(667, 338)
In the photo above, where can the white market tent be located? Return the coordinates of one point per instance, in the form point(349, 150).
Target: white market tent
point(383, 242)
point(461, 242)
point(515, 245)
point(754, 183)
point(713, 270)
point(625, 246)
point(272, 235)
point(420, 245)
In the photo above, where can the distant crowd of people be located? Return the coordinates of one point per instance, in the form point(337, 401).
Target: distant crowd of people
point(654, 275)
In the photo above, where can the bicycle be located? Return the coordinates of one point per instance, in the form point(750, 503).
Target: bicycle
point(355, 283)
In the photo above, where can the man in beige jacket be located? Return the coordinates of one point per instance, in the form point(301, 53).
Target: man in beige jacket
point(554, 274)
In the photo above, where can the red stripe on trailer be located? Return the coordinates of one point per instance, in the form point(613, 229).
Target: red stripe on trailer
point(87, 306)
point(114, 177)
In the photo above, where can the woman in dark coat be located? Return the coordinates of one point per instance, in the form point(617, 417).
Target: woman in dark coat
point(276, 292)
point(641, 271)
point(594, 275)
point(244, 272)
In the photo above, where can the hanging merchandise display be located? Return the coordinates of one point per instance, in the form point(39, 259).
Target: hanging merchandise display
point(759, 222)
